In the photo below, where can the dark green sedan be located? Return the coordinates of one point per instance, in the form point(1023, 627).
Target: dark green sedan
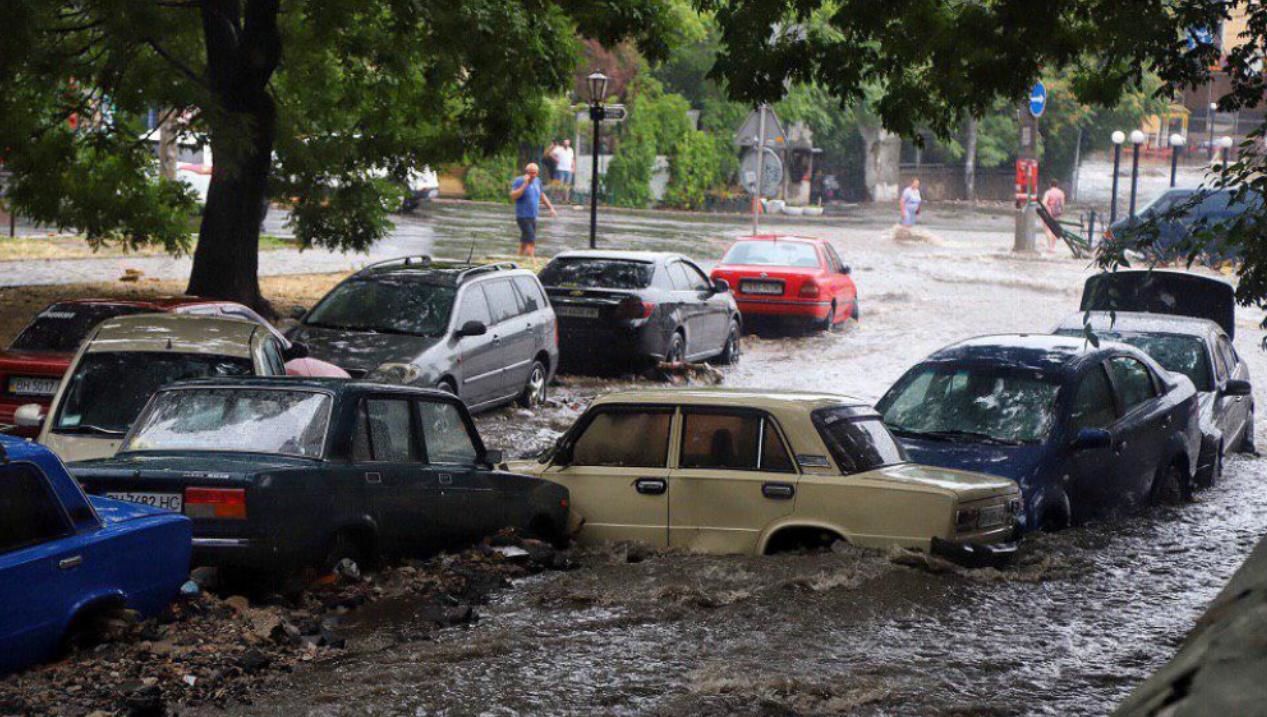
point(284, 473)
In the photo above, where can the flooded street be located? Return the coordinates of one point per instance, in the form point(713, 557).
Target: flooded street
point(1070, 628)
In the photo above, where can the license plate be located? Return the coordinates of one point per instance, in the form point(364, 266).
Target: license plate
point(174, 502)
point(577, 312)
point(26, 386)
point(761, 287)
point(993, 516)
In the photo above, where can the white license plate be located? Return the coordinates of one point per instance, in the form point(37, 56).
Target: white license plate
point(174, 502)
point(761, 287)
point(577, 312)
point(26, 386)
point(993, 516)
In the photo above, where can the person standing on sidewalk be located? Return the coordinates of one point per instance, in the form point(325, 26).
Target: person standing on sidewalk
point(527, 195)
point(565, 160)
point(1054, 201)
point(908, 204)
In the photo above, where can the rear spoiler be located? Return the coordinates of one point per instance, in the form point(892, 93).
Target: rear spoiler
point(1163, 292)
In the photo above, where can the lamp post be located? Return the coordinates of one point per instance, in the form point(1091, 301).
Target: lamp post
point(1225, 144)
point(597, 85)
point(1118, 139)
point(1209, 125)
point(1137, 138)
point(1176, 145)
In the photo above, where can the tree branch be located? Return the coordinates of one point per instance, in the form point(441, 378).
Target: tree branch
point(184, 69)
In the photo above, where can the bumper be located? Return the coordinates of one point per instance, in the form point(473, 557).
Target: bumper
point(975, 555)
point(782, 308)
point(580, 344)
point(236, 553)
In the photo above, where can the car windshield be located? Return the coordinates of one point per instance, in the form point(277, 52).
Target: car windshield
point(109, 389)
point(773, 253)
point(858, 443)
point(237, 420)
point(386, 306)
point(1175, 352)
point(1166, 202)
point(597, 273)
point(972, 404)
point(61, 327)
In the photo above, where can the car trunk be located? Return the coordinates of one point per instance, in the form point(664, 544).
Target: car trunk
point(1163, 292)
point(576, 308)
point(30, 376)
point(766, 281)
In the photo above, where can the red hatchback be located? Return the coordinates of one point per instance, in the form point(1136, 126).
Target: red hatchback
point(789, 278)
point(32, 368)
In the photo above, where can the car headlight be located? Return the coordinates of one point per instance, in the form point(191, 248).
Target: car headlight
point(967, 519)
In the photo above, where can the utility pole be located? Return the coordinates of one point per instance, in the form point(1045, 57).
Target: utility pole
point(756, 197)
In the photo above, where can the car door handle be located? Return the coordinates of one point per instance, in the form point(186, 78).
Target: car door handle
point(651, 486)
point(778, 491)
point(445, 479)
point(374, 478)
point(497, 340)
point(70, 563)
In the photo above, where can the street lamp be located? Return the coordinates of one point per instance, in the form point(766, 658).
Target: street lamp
point(1137, 138)
point(1225, 144)
point(1176, 145)
point(1118, 138)
point(1209, 125)
point(597, 85)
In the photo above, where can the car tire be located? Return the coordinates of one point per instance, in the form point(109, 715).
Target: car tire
point(1168, 486)
point(534, 393)
point(676, 352)
point(1246, 444)
point(343, 548)
point(732, 349)
point(447, 386)
point(853, 312)
point(829, 323)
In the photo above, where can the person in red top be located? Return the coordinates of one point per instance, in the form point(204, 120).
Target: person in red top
point(1054, 201)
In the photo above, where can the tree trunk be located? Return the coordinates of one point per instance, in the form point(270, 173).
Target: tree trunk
point(881, 171)
point(970, 158)
point(168, 152)
point(243, 48)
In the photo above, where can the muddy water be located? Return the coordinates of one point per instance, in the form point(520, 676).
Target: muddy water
point(1081, 618)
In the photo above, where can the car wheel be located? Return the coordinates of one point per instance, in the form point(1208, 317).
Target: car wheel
point(676, 352)
point(853, 312)
point(1168, 486)
point(731, 351)
point(1247, 435)
point(447, 386)
point(829, 323)
point(534, 393)
point(345, 556)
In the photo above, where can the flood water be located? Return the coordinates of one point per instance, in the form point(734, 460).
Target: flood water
point(1082, 617)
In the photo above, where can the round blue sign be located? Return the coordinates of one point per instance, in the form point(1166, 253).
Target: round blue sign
point(1038, 99)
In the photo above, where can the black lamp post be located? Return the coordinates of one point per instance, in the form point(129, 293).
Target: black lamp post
point(597, 85)
point(1176, 146)
point(1137, 138)
point(1118, 139)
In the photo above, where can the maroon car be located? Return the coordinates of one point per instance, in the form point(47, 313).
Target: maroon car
point(32, 367)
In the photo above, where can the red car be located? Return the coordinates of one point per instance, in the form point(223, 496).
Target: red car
point(789, 278)
point(32, 367)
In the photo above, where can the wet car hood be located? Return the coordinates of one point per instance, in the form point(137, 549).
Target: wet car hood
point(1017, 463)
point(361, 351)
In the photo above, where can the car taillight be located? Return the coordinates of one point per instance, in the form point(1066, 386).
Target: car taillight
point(809, 288)
point(224, 503)
point(633, 308)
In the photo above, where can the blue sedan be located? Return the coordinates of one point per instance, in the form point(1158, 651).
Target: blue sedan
point(66, 558)
point(1084, 430)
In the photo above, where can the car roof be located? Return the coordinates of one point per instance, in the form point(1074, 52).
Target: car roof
point(782, 237)
point(1048, 353)
point(161, 303)
point(1142, 322)
point(618, 255)
point(314, 383)
point(732, 397)
point(221, 336)
point(443, 271)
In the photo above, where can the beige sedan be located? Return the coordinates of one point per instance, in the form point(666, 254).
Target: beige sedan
point(732, 471)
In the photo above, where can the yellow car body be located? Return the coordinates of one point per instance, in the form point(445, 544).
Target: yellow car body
point(658, 467)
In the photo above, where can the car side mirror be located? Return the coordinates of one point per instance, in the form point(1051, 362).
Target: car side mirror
point(846, 270)
point(296, 350)
point(472, 328)
point(1089, 438)
point(1237, 387)
point(298, 312)
point(721, 286)
point(30, 415)
point(494, 457)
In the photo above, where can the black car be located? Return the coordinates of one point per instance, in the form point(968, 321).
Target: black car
point(286, 473)
point(483, 333)
point(1186, 322)
point(641, 307)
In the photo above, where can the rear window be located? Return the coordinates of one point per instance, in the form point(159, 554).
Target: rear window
point(858, 443)
point(773, 253)
point(598, 274)
point(236, 420)
point(62, 327)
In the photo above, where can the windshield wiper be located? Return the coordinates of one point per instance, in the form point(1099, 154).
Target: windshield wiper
point(89, 428)
point(970, 436)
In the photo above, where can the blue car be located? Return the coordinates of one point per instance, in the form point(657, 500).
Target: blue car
point(1083, 430)
point(65, 558)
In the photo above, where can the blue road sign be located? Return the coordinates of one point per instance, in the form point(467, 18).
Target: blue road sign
point(1038, 99)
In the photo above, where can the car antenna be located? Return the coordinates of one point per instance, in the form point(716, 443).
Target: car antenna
point(470, 254)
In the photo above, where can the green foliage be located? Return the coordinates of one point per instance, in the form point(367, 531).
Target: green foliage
point(488, 180)
point(695, 167)
point(628, 177)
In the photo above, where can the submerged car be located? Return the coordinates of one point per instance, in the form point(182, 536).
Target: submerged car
point(280, 474)
point(733, 471)
point(1083, 430)
point(126, 359)
point(66, 559)
point(486, 333)
point(623, 307)
point(1173, 220)
point(790, 279)
point(1179, 327)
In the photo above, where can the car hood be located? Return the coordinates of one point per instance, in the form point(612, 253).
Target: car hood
point(360, 351)
point(964, 485)
point(1017, 463)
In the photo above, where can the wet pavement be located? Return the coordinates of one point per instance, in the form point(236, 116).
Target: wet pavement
point(1080, 619)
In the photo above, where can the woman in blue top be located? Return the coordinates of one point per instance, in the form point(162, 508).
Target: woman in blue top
point(909, 203)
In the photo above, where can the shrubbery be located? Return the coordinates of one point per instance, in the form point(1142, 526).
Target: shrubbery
point(489, 178)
